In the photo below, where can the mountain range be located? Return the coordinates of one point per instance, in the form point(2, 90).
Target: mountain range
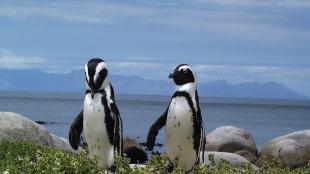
point(36, 80)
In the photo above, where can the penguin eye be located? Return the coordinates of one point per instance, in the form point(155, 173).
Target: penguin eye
point(185, 71)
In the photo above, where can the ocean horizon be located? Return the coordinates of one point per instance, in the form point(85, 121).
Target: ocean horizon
point(264, 119)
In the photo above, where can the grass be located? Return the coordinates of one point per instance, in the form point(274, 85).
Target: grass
point(24, 157)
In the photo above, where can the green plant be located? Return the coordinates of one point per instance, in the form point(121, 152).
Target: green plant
point(24, 157)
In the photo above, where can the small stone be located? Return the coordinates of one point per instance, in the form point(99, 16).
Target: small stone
point(98, 147)
point(234, 160)
point(179, 124)
point(188, 138)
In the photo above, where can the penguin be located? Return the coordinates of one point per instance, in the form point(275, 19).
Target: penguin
point(100, 119)
point(184, 129)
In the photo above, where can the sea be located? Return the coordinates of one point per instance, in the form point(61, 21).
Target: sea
point(264, 119)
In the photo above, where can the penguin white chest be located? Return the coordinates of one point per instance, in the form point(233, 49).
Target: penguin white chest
point(95, 131)
point(179, 133)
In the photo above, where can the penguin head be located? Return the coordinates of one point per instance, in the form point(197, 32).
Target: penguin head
point(96, 73)
point(183, 74)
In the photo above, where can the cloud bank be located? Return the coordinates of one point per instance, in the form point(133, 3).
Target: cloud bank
point(9, 60)
point(296, 78)
point(266, 20)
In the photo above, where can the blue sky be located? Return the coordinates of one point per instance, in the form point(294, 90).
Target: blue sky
point(235, 40)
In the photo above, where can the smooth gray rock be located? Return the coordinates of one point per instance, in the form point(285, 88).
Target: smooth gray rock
point(234, 160)
point(19, 128)
point(247, 154)
point(292, 149)
point(231, 139)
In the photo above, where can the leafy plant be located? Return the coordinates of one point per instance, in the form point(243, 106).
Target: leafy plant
point(24, 157)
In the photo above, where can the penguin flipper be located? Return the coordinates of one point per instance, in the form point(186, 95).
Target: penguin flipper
point(76, 131)
point(200, 140)
point(118, 130)
point(153, 132)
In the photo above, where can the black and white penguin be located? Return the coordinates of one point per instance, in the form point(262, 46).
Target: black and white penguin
point(100, 119)
point(185, 137)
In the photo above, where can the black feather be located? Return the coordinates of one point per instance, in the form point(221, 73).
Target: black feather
point(76, 131)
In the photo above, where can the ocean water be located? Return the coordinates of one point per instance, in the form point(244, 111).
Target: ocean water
point(263, 119)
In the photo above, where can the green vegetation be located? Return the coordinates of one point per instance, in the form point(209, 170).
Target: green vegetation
point(23, 157)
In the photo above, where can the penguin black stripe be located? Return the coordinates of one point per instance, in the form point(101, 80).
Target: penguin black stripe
point(91, 65)
point(118, 128)
point(203, 141)
point(102, 75)
point(109, 122)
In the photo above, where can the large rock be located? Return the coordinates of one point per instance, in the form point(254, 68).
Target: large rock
point(19, 128)
point(233, 159)
point(247, 154)
point(232, 139)
point(292, 149)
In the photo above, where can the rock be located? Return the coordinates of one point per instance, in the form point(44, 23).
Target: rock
point(134, 151)
point(234, 160)
point(45, 122)
point(292, 149)
point(231, 139)
point(247, 154)
point(41, 122)
point(19, 128)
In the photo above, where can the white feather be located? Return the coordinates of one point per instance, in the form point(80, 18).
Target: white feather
point(87, 77)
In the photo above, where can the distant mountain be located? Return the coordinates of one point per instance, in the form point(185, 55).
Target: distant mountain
point(36, 80)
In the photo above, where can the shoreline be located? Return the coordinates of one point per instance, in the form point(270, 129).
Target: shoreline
point(159, 98)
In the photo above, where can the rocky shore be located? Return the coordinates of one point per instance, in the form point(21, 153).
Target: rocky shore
point(232, 144)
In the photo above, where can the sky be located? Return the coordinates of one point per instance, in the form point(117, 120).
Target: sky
point(235, 40)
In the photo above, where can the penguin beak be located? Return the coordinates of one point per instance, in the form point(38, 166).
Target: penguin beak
point(171, 75)
point(92, 93)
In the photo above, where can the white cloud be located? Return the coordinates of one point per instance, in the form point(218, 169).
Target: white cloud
point(10, 60)
point(262, 3)
point(147, 70)
point(261, 24)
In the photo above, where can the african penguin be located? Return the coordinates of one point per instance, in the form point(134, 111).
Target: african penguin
point(185, 137)
point(100, 119)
